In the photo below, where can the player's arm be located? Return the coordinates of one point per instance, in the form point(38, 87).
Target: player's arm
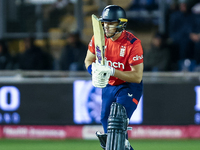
point(89, 59)
point(134, 76)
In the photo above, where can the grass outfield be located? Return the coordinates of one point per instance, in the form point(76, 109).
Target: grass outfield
point(69, 144)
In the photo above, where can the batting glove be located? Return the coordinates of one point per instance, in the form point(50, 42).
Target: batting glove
point(100, 75)
point(112, 70)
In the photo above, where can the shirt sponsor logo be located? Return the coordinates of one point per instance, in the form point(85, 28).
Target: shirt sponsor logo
point(137, 57)
point(115, 64)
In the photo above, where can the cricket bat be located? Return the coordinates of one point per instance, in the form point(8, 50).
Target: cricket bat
point(99, 39)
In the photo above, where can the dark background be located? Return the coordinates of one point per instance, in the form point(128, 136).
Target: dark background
point(45, 104)
point(169, 104)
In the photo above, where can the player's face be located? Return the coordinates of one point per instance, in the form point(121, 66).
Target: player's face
point(110, 28)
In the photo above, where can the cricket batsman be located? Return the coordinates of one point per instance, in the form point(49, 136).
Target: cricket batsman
point(120, 78)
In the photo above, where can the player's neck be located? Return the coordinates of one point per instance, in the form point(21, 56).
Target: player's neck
point(117, 35)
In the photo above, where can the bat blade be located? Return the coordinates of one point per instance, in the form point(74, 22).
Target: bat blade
point(99, 39)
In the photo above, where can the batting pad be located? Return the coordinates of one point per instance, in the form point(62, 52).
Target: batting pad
point(117, 127)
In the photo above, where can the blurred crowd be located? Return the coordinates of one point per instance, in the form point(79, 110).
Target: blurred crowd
point(178, 49)
point(34, 57)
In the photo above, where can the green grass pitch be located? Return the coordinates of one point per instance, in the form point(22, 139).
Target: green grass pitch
point(77, 144)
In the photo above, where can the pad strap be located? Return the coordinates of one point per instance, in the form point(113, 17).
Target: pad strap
point(117, 118)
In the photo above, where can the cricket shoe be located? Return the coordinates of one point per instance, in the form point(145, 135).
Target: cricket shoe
point(127, 145)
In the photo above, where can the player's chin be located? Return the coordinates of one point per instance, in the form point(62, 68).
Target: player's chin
point(108, 35)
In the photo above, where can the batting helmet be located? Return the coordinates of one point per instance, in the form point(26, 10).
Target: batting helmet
point(114, 13)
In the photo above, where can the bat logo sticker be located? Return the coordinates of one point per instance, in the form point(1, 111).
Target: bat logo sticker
point(98, 54)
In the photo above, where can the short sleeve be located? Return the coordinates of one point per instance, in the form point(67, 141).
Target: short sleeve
point(136, 53)
point(91, 46)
